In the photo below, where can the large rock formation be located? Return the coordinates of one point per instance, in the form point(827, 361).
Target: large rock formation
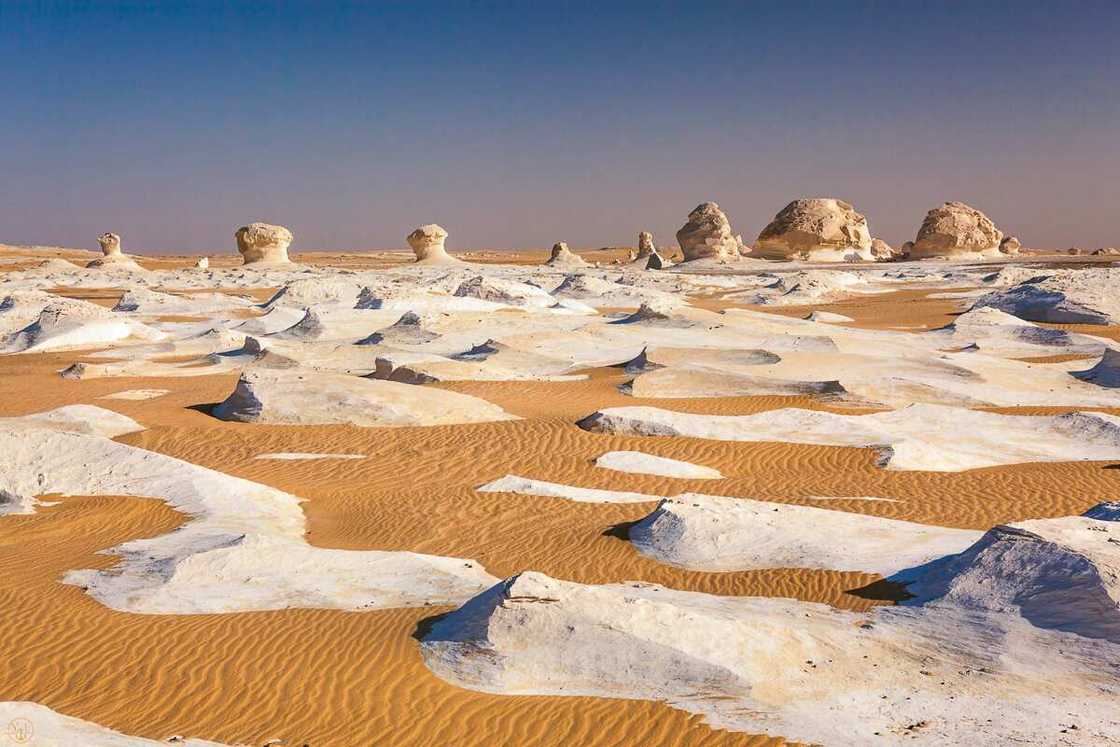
point(1010, 245)
point(821, 229)
point(956, 230)
point(203, 263)
point(427, 244)
point(562, 256)
point(261, 243)
point(645, 246)
point(707, 235)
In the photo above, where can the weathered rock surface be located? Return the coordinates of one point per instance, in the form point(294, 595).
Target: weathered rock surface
point(820, 229)
point(1010, 245)
point(263, 243)
point(638, 462)
point(956, 230)
point(707, 235)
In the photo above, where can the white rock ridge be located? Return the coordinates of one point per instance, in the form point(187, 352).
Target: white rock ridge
point(317, 397)
point(713, 533)
point(919, 437)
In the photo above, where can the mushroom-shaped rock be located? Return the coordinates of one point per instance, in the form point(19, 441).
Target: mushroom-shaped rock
point(427, 244)
point(262, 243)
point(707, 235)
point(645, 246)
point(202, 263)
point(821, 229)
point(562, 256)
point(1010, 245)
point(956, 230)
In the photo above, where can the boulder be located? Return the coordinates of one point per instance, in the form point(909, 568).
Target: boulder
point(821, 229)
point(881, 250)
point(957, 230)
point(1010, 245)
point(562, 256)
point(203, 263)
point(262, 243)
point(707, 235)
point(427, 244)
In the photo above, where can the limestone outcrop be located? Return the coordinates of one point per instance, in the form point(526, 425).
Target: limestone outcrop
point(203, 263)
point(645, 246)
point(707, 235)
point(427, 244)
point(957, 230)
point(1010, 245)
point(882, 251)
point(562, 256)
point(820, 229)
point(262, 243)
point(112, 257)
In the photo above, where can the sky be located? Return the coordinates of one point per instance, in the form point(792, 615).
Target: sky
point(524, 123)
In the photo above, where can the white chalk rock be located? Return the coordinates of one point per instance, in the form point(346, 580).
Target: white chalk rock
point(707, 235)
point(314, 397)
point(562, 256)
point(427, 244)
point(711, 533)
point(203, 263)
point(816, 229)
point(640, 463)
point(919, 437)
point(263, 243)
point(956, 230)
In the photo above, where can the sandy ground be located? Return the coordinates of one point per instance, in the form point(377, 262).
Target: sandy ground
point(322, 677)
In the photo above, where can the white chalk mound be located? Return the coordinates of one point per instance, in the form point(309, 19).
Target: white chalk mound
point(637, 462)
point(69, 324)
point(315, 397)
point(243, 547)
point(1063, 297)
point(562, 256)
point(919, 437)
point(712, 533)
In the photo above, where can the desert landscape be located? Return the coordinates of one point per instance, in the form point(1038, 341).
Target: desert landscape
point(707, 489)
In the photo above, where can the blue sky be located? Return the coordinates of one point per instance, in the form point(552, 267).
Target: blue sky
point(521, 124)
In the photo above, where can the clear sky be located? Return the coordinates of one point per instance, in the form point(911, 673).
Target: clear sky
point(521, 124)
